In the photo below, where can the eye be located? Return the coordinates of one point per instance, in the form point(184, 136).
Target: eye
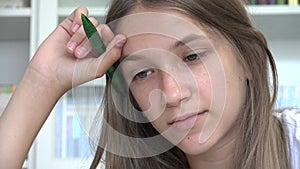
point(193, 57)
point(143, 74)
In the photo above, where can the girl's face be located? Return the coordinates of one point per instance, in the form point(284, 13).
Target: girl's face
point(188, 82)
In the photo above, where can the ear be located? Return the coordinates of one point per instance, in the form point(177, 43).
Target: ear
point(248, 75)
point(245, 74)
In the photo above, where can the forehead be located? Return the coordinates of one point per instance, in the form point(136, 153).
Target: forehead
point(144, 42)
point(146, 28)
point(168, 24)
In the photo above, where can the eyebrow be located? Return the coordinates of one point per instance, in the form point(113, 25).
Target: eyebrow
point(133, 57)
point(182, 42)
point(188, 38)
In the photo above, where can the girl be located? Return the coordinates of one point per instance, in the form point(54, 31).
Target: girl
point(197, 90)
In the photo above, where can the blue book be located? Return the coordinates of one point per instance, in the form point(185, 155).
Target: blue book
point(272, 2)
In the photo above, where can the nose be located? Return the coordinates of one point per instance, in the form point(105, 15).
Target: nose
point(175, 90)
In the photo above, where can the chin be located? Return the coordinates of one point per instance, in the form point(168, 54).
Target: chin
point(193, 146)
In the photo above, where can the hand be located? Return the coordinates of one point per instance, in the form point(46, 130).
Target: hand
point(63, 53)
point(48, 76)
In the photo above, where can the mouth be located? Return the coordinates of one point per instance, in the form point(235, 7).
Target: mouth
point(186, 121)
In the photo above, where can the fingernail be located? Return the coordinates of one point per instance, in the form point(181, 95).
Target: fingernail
point(81, 52)
point(75, 28)
point(71, 46)
point(120, 42)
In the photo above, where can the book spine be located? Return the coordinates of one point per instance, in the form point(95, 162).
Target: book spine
point(293, 2)
point(262, 2)
point(7, 89)
point(271, 2)
point(12, 88)
point(281, 2)
point(252, 2)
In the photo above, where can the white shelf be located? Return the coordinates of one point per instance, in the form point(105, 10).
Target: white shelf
point(94, 11)
point(276, 21)
point(13, 60)
point(91, 3)
point(15, 12)
point(273, 10)
point(278, 26)
point(14, 28)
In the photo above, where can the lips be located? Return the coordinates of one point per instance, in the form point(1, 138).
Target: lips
point(186, 121)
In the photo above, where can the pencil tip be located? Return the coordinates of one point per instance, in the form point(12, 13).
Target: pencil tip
point(83, 15)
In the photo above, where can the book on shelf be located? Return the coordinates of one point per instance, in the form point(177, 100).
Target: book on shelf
point(262, 2)
point(250, 2)
point(281, 2)
point(293, 2)
point(5, 94)
point(273, 2)
point(7, 88)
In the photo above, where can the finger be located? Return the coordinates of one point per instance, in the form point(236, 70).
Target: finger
point(78, 38)
point(112, 54)
point(90, 68)
point(85, 47)
point(73, 22)
point(107, 34)
point(77, 18)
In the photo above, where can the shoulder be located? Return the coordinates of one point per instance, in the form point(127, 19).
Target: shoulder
point(290, 119)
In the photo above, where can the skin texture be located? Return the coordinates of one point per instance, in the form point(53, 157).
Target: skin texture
point(218, 91)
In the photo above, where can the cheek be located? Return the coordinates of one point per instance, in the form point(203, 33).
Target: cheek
point(141, 97)
point(236, 94)
point(235, 85)
point(204, 88)
point(150, 101)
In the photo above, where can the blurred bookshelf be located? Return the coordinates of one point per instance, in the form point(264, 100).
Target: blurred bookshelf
point(6, 91)
point(288, 96)
point(75, 114)
point(272, 2)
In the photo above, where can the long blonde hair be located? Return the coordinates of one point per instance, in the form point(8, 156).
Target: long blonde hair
point(262, 143)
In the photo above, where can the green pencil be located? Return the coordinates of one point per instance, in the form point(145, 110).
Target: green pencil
point(94, 37)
